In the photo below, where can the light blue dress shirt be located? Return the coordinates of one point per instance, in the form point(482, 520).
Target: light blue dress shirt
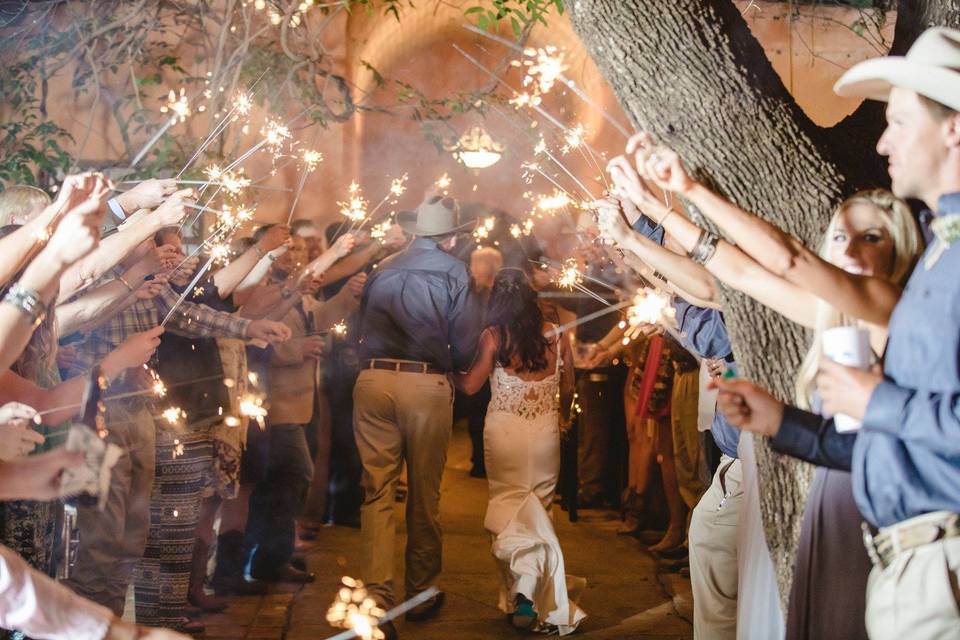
point(905, 460)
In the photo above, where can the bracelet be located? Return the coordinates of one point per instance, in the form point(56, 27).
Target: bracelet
point(705, 247)
point(28, 301)
point(125, 283)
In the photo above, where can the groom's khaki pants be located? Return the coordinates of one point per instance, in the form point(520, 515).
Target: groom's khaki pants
point(917, 595)
point(399, 415)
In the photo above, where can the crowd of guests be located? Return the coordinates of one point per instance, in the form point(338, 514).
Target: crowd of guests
point(314, 379)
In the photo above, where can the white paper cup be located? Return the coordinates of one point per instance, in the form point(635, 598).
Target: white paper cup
point(849, 346)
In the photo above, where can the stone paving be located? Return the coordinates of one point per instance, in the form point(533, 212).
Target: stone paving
point(624, 597)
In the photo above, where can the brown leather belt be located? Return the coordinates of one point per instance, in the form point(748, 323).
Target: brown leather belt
point(405, 367)
point(884, 546)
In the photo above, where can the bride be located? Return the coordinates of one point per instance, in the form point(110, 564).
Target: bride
point(528, 367)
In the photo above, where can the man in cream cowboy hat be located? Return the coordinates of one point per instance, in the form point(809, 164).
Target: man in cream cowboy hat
point(905, 459)
point(414, 329)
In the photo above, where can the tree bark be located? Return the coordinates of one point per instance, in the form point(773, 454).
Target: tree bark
point(691, 72)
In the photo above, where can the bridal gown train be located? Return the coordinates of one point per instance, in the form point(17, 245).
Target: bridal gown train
point(522, 451)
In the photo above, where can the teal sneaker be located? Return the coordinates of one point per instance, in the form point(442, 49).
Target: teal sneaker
point(523, 616)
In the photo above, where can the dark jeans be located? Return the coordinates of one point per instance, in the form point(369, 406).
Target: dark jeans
point(474, 409)
point(601, 454)
point(278, 499)
point(345, 495)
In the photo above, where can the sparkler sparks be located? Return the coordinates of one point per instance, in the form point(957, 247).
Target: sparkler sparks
point(311, 159)
point(178, 106)
point(339, 329)
point(574, 137)
point(379, 231)
point(554, 201)
point(251, 406)
point(174, 415)
point(355, 208)
point(398, 186)
point(159, 389)
point(353, 609)
point(649, 307)
point(443, 183)
point(243, 104)
point(275, 134)
point(570, 275)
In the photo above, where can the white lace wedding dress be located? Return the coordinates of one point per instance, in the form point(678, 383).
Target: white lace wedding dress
point(521, 443)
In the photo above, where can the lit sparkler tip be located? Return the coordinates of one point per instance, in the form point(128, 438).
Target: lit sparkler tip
point(398, 185)
point(178, 105)
point(243, 104)
point(444, 181)
point(311, 159)
point(552, 202)
point(174, 415)
point(340, 328)
point(570, 275)
point(648, 307)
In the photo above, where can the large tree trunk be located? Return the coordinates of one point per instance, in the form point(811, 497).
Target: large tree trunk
point(691, 72)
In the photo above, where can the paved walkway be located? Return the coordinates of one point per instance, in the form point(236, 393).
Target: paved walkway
point(624, 597)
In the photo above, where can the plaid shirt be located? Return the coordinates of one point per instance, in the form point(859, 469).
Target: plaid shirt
point(188, 319)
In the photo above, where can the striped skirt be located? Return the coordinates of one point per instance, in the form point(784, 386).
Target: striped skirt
point(162, 579)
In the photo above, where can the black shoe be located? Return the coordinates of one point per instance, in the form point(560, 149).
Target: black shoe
point(428, 609)
point(287, 573)
point(677, 553)
point(189, 627)
point(237, 586)
point(389, 631)
point(299, 561)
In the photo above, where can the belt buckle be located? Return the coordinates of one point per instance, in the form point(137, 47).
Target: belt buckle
point(870, 543)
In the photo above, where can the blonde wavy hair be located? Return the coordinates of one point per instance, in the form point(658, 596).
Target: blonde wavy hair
point(19, 203)
point(907, 245)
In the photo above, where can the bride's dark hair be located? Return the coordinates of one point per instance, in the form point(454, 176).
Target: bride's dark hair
point(513, 310)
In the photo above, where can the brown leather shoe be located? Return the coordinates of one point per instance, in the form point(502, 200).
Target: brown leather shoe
point(428, 609)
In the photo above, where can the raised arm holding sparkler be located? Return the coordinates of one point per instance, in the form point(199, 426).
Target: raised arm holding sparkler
point(726, 262)
point(235, 274)
point(118, 246)
point(870, 298)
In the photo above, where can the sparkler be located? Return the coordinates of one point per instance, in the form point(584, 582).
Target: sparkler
point(353, 609)
point(369, 624)
point(557, 200)
point(251, 406)
point(174, 415)
point(311, 159)
point(564, 79)
point(179, 106)
point(379, 231)
point(443, 183)
point(339, 329)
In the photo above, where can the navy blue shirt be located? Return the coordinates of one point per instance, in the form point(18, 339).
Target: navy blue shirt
point(905, 460)
point(416, 306)
point(702, 331)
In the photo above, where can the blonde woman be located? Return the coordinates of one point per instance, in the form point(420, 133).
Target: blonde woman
point(869, 250)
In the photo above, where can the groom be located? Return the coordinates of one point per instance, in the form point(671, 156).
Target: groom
point(414, 329)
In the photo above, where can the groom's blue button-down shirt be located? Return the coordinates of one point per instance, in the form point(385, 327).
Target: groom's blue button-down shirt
point(417, 305)
point(906, 459)
point(702, 331)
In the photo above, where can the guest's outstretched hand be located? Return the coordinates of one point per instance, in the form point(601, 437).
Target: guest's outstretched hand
point(37, 477)
point(659, 164)
point(748, 407)
point(148, 194)
point(17, 438)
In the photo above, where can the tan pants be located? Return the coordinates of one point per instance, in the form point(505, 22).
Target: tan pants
point(713, 554)
point(399, 416)
point(112, 541)
point(917, 596)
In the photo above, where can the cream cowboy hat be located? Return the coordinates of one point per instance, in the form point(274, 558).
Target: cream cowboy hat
point(931, 68)
point(436, 216)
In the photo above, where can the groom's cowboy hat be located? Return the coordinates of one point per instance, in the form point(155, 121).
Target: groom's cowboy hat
point(931, 68)
point(436, 216)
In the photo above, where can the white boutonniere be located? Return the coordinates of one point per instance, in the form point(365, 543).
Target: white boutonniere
point(946, 229)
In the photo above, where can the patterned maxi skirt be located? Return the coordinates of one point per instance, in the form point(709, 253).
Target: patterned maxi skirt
point(162, 578)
